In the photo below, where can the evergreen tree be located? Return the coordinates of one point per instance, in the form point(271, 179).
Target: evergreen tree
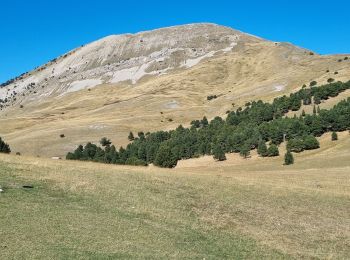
point(245, 150)
point(141, 135)
point(314, 110)
point(273, 151)
point(218, 153)
point(288, 158)
point(131, 136)
point(310, 142)
point(303, 113)
point(262, 148)
point(4, 147)
point(204, 122)
point(318, 110)
point(164, 157)
point(105, 142)
point(334, 136)
point(317, 99)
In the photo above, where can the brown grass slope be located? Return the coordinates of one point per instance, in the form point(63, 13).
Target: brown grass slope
point(251, 71)
point(234, 210)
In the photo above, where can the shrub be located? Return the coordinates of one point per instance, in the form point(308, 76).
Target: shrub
point(211, 97)
point(330, 80)
point(62, 136)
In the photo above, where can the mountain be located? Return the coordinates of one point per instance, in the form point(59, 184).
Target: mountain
point(128, 57)
point(151, 80)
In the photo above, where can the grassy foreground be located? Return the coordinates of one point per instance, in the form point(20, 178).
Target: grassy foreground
point(248, 211)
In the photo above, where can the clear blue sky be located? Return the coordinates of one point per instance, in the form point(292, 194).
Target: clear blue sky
point(33, 32)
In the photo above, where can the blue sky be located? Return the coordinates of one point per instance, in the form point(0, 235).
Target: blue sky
point(33, 32)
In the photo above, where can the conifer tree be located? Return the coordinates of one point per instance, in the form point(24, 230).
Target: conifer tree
point(105, 142)
point(218, 153)
point(245, 150)
point(334, 136)
point(262, 148)
point(273, 151)
point(131, 136)
point(288, 158)
point(4, 147)
point(164, 157)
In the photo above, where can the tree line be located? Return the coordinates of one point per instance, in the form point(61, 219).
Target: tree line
point(257, 125)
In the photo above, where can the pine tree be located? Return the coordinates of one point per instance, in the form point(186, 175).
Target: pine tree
point(204, 122)
point(131, 136)
point(314, 110)
point(245, 150)
point(303, 113)
point(262, 148)
point(218, 153)
point(318, 109)
point(310, 142)
point(105, 142)
point(334, 136)
point(4, 147)
point(273, 151)
point(164, 157)
point(288, 158)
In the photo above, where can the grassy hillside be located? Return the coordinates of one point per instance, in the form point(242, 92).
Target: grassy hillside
point(250, 72)
point(238, 210)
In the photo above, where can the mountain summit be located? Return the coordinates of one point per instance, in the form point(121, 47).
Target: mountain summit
point(127, 57)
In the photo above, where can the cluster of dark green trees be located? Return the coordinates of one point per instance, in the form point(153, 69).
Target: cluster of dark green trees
point(4, 147)
point(245, 129)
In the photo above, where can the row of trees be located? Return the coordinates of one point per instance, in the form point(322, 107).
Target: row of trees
point(248, 128)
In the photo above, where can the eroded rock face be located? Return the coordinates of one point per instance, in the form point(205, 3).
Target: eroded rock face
point(128, 57)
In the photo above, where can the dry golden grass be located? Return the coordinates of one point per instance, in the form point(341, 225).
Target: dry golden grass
point(254, 208)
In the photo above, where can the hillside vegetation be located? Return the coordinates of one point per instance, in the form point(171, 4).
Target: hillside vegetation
point(242, 131)
point(233, 209)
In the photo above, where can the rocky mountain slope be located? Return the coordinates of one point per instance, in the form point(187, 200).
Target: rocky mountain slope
point(151, 80)
point(128, 57)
